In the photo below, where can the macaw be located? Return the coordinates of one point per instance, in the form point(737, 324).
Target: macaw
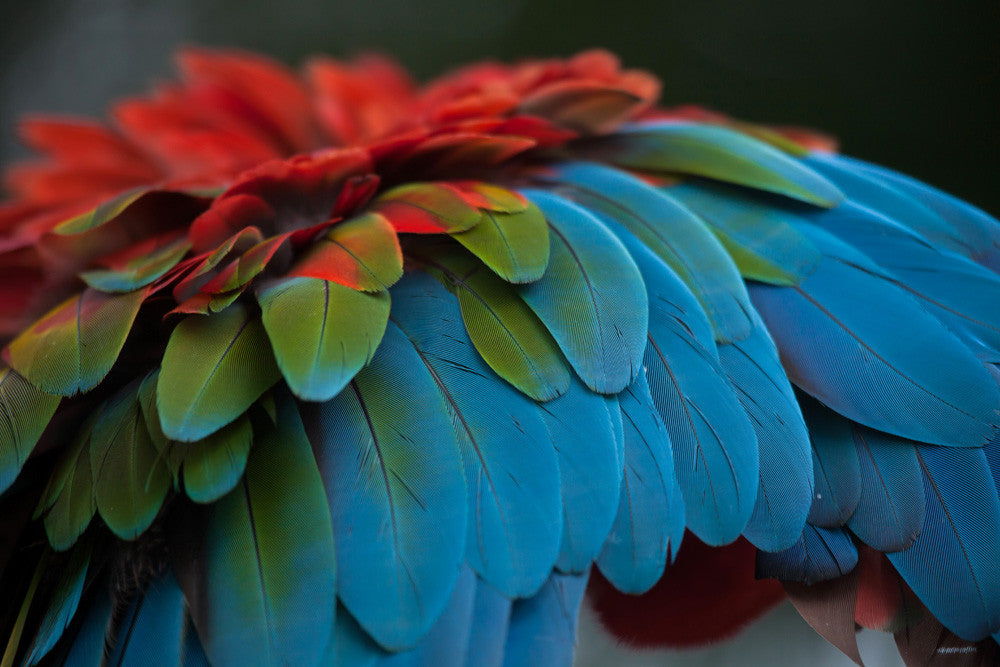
point(332, 368)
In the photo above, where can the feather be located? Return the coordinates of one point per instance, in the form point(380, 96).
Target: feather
point(88, 644)
point(69, 498)
point(715, 449)
point(979, 232)
point(926, 385)
point(214, 465)
point(829, 607)
point(958, 292)
point(490, 622)
point(715, 152)
point(543, 627)
point(591, 297)
point(427, 208)
point(785, 490)
point(322, 333)
point(820, 554)
point(261, 583)
point(63, 603)
point(511, 471)
point(26, 412)
point(442, 646)
point(350, 645)
point(213, 369)
point(672, 232)
point(74, 346)
point(891, 508)
point(764, 247)
point(362, 253)
point(649, 526)
point(880, 195)
point(152, 631)
point(506, 332)
point(590, 473)
point(952, 564)
point(130, 478)
point(836, 465)
point(514, 245)
point(393, 476)
point(138, 266)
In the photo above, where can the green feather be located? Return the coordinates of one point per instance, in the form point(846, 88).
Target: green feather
point(69, 498)
point(130, 478)
point(262, 588)
point(214, 465)
point(672, 232)
point(74, 346)
point(213, 369)
point(715, 152)
point(26, 412)
point(514, 245)
point(505, 331)
point(96, 217)
point(138, 272)
point(322, 333)
point(362, 252)
point(758, 237)
point(63, 603)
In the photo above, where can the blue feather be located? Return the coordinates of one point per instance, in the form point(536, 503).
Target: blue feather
point(543, 628)
point(835, 465)
point(490, 621)
point(152, 631)
point(839, 335)
point(785, 492)
point(952, 565)
point(715, 448)
point(591, 297)
point(392, 470)
point(820, 554)
point(580, 427)
point(960, 293)
point(88, 644)
point(880, 196)
point(194, 653)
point(63, 604)
point(650, 522)
point(442, 646)
point(977, 232)
point(511, 471)
point(671, 232)
point(350, 645)
point(891, 509)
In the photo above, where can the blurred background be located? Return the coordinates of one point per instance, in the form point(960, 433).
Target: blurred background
point(912, 84)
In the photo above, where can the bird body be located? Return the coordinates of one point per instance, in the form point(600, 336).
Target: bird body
point(342, 370)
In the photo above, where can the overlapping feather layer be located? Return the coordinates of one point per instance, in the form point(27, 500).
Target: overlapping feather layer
point(391, 403)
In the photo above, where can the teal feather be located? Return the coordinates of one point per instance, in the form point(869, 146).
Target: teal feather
point(511, 470)
point(580, 427)
point(591, 297)
point(393, 476)
point(649, 526)
point(923, 385)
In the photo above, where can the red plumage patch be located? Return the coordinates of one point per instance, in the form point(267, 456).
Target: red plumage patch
point(706, 595)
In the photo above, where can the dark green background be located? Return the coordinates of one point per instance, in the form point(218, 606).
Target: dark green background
point(913, 85)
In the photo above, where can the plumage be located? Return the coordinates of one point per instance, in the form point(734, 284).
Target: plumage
point(598, 318)
point(649, 525)
point(394, 486)
point(345, 370)
point(511, 469)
